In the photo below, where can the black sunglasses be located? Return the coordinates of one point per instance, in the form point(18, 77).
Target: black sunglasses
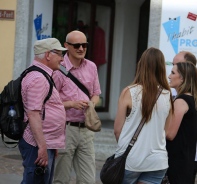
point(77, 45)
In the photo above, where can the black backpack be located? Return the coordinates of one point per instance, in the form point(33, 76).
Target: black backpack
point(11, 97)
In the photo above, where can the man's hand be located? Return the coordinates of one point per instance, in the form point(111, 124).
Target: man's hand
point(42, 159)
point(80, 105)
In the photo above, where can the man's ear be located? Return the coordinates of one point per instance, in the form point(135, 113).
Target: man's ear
point(47, 56)
point(65, 45)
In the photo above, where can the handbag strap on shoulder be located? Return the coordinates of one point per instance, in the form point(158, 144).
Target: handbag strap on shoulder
point(139, 128)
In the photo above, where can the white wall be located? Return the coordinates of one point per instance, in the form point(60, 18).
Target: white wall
point(154, 23)
point(129, 56)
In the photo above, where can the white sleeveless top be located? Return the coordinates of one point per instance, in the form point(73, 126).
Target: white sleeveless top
point(149, 152)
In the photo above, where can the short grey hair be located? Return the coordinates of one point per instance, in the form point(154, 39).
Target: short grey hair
point(40, 56)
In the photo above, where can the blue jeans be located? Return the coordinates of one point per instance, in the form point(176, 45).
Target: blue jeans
point(29, 154)
point(151, 177)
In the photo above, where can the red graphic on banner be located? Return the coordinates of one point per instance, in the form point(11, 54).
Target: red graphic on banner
point(192, 16)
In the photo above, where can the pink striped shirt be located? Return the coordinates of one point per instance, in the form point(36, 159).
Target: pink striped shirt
point(69, 91)
point(35, 88)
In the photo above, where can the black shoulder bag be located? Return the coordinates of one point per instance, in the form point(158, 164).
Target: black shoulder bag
point(113, 168)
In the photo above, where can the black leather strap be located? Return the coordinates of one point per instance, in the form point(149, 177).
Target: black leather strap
point(48, 77)
point(75, 80)
point(77, 124)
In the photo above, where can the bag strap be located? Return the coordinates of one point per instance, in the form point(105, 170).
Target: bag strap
point(139, 128)
point(48, 77)
point(74, 79)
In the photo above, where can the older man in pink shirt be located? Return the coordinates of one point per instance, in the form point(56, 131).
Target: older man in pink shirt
point(43, 135)
point(79, 140)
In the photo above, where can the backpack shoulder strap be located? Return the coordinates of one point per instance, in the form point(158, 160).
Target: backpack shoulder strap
point(48, 77)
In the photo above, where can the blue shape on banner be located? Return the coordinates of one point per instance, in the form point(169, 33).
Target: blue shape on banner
point(172, 30)
point(38, 26)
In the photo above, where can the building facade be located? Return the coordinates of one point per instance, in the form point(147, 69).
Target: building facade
point(125, 29)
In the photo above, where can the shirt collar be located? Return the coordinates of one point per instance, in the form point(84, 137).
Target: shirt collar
point(69, 66)
point(43, 66)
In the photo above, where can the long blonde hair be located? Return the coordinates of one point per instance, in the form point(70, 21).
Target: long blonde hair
point(151, 72)
point(188, 72)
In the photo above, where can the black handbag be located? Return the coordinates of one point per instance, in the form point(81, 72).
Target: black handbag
point(113, 169)
point(165, 180)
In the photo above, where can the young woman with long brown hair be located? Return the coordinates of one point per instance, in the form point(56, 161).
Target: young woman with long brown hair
point(147, 161)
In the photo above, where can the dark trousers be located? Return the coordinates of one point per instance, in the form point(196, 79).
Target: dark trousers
point(195, 170)
point(29, 154)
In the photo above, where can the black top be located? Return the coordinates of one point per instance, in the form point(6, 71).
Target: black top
point(182, 150)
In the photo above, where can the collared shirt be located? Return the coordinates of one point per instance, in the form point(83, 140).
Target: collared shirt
point(35, 88)
point(87, 74)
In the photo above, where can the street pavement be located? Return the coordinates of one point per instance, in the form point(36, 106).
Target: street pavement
point(11, 166)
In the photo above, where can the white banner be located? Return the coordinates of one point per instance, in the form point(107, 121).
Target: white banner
point(178, 29)
point(42, 20)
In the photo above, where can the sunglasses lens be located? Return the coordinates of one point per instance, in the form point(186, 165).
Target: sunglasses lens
point(77, 45)
point(84, 45)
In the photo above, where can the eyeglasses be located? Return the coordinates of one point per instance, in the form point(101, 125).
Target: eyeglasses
point(59, 54)
point(77, 45)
